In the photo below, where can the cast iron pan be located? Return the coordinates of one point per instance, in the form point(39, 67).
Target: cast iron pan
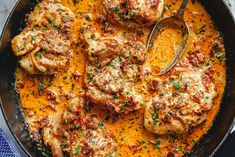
point(10, 105)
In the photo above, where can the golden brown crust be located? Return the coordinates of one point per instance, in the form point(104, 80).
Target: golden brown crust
point(45, 43)
point(132, 13)
point(110, 80)
point(182, 98)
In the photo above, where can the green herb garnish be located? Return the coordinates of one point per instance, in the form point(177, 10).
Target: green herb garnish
point(201, 30)
point(116, 10)
point(156, 144)
point(177, 86)
point(100, 124)
point(77, 150)
point(88, 18)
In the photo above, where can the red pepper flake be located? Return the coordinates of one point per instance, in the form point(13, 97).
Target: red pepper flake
point(51, 106)
point(50, 95)
point(136, 147)
point(167, 118)
point(77, 75)
point(153, 85)
point(196, 98)
point(170, 154)
point(21, 85)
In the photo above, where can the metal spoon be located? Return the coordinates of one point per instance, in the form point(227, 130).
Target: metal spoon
point(175, 21)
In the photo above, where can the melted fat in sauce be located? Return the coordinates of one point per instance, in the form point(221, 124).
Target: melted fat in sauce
point(131, 136)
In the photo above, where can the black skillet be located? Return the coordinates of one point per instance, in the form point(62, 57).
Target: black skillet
point(10, 105)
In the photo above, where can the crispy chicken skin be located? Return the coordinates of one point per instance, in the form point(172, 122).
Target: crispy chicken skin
point(181, 100)
point(77, 133)
point(115, 66)
point(45, 45)
point(132, 13)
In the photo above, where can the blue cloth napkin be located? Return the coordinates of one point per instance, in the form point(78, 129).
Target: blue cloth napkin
point(7, 146)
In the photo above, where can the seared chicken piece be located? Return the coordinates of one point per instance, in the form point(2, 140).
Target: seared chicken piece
point(114, 68)
point(50, 16)
point(102, 46)
point(45, 53)
point(49, 134)
point(181, 100)
point(44, 49)
point(93, 139)
point(112, 85)
point(78, 134)
point(26, 41)
point(132, 13)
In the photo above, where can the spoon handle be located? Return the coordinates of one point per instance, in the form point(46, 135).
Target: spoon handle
point(182, 8)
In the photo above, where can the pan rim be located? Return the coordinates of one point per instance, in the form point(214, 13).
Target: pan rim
point(21, 145)
point(1, 104)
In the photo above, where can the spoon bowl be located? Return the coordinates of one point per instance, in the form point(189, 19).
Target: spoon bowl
point(174, 22)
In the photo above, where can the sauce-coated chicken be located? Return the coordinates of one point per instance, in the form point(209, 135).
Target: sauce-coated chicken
point(181, 100)
point(77, 133)
point(115, 66)
point(45, 45)
point(132, 13)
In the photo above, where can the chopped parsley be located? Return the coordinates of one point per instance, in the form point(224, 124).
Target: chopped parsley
point(51, 21)
point(216, 48)
point(220, 56)
point(77, 126)
point(180, 148)
point(106, 118)
point(112, 65)
point(38, 54)
point(124, 4)
point(157, 144)
point(46, 50)
point(91, 70)
point(72, 86)
point(155, 116)
point(90, 78)
point(83, 29)
point(63, 145)
point(168, 6)
point(100, 124)
point(43, 28)
point(177, 86)
point(115, 96)
point(133, 13)
point(92, 36)
point(60, 10)
point(221, 35)
point(201, 30)
point(33, 38)
point(194, 141)
point(77, 150)
point(88, 18)
point(116, 10)
point(145, 147)
point(125, 103)
point(41, 86)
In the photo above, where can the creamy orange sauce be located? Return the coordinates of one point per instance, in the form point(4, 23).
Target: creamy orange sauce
point(128, 129)
point(164, 47)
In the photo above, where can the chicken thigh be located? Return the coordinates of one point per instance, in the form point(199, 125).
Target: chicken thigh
point(115, 66)
point(132, 13)
point(45, 45)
